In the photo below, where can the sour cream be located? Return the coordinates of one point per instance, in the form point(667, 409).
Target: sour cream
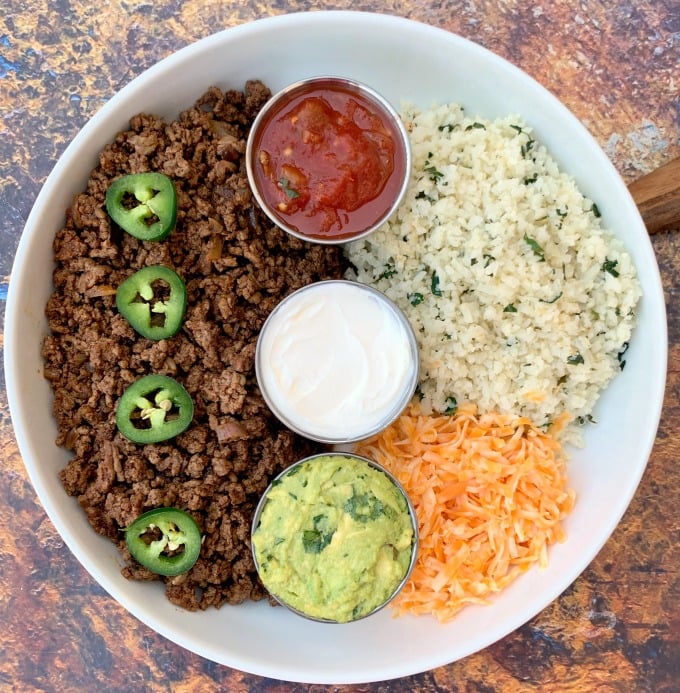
point(337, 361)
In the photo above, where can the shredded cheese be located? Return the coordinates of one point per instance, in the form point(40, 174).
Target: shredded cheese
point(490, 492)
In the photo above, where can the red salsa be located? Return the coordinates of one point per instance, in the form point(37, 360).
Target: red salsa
point(329, 162)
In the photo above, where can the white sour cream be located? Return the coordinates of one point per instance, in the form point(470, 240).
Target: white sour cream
point(337, 361)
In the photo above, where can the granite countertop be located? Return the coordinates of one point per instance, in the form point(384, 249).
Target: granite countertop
point(616, 65)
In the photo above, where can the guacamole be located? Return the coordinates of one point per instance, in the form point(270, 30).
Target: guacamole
point(334, 539)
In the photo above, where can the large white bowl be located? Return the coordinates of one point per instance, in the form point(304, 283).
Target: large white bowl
point(402, 60)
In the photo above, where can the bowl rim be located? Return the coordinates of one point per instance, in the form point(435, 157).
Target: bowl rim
point(372, 96)
point(312, 459)
point(399, 404)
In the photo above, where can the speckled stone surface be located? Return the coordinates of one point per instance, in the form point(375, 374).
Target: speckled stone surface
point(615, 64)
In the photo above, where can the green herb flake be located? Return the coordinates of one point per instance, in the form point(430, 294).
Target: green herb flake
point(291, 193)
point(476, 126)
point(415, 298)
point(535, 247)
point(610, 266)
point(434, 174)
point(526, 149)
point(550, 300)
point(312, 541)
point(619, 356)
point(489, 259)
point(364, 507)
point(388, 272)
point(434, 285)
point(448, 127)
point(575, 359)
point(596, 211)
point(509, 308)
point(317, 539)
point(530, 179)
point(451, 406)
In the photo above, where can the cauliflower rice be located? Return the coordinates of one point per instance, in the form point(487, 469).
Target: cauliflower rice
point(522, 303)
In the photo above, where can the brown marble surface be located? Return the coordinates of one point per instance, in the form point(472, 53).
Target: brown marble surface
point(615, 64)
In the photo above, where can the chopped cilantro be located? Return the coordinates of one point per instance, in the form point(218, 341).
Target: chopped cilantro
point(364, 507)
point(291, 193)
point(509, 308)
point(434, 174)
point(451, 406)
point(415, 298)
point(434, 285)
point(525, 149)
point(575, 359)
point(535, 247)
point(317, 539)
point(489, 259)
point(610, 266)
point(389, 271)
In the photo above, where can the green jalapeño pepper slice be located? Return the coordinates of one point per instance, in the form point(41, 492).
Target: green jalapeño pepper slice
point(143, 204)
point(167, 541)
point(154, 408)
point(153, 301)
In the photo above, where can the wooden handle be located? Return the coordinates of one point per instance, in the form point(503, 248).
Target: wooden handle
point(657, 196)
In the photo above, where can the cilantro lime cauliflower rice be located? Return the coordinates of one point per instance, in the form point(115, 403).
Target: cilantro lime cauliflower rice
point(521, 301)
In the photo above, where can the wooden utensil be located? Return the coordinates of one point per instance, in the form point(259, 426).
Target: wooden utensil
point(657, 196)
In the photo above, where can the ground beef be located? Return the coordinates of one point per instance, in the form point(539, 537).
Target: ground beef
point(237, 266)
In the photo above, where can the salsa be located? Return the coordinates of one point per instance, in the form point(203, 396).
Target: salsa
point(328, 162)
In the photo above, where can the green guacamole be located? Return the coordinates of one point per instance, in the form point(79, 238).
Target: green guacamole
point(334, 538)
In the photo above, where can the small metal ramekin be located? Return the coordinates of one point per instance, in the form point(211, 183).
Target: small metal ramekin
point(365, 93)
point(412, 516)
point(347, 436)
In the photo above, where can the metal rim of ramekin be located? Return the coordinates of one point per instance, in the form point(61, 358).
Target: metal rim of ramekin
point(412, 515)
point(399, 405)
point(371, 95)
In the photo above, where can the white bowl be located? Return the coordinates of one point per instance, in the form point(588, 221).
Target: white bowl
point(402, 60)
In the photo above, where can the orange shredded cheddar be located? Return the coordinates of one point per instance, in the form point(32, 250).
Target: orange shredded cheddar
point(490, 492)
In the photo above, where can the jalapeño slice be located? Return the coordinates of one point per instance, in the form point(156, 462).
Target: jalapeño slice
point(154, 408)
point(167, 541)
point(143, 204)
point(153, 301)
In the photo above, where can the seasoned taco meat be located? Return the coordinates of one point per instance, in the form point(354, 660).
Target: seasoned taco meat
point(237, 267)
